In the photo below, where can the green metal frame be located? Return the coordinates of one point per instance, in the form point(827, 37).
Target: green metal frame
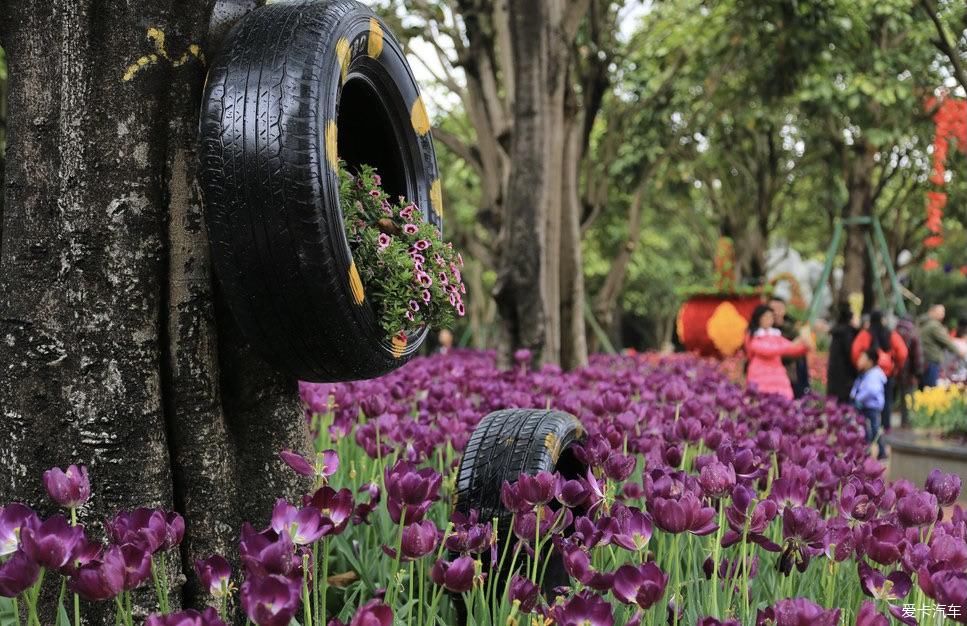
point(872, 224)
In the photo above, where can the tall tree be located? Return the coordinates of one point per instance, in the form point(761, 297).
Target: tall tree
point(482, 54)
point(115, 351)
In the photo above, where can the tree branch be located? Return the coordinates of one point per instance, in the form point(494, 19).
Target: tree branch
point(944, 44)
point(459, 148)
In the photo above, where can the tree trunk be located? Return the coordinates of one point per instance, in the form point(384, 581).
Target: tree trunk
point(114, 353)
point(528, 290)
point(860, 186)
point(606, 300)
point(520, 289)
point(574, 346)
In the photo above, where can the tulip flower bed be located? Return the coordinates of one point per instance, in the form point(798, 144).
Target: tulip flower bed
point(702, 504)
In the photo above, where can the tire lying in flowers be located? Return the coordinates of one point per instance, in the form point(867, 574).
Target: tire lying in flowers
point(295, 88)
point(506, 444)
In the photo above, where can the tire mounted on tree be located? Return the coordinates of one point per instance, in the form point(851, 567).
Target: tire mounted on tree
point(295, 88)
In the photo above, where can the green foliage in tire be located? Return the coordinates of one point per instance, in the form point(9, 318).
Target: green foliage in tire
point(295, 88)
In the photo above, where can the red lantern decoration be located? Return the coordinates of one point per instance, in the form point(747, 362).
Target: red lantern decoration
point(715, 324)
point(950, 121)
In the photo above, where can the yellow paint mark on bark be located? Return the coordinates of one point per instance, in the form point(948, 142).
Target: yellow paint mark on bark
point(399, 345)
point(436, 197)
point(356, 284)
point(419, 117)
point(342, 55)
point(157, 37)
point(375, 47)
point(332, 145)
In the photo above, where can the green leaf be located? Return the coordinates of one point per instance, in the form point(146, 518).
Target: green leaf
point(62, 617)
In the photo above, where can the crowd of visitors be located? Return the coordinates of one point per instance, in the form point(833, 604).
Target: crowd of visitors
point(874, 363)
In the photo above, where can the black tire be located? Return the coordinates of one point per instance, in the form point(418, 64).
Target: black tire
point(293, 85)
point(505, 445)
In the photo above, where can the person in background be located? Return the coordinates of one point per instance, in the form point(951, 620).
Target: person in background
point(891, 354)
point(908, 378)
point(797, 369)
point(765, 347)
point(934, 338)
point(445, 341)
point(869, 395)
point(841, 371)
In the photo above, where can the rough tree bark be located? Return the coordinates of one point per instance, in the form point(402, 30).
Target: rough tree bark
point(529, 298)
point(113, 352)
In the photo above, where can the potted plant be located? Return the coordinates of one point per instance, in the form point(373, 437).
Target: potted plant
point(712, 319)
point(937, 437)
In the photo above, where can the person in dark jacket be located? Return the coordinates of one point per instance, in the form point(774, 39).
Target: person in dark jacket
point(909, 377)
point(841, 371)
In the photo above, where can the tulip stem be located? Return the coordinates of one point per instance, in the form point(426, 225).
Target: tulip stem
point(16, 610)
point(306, 604)
point(537, 544)
point(392, 591)
point(77, 600)
point(716, 551)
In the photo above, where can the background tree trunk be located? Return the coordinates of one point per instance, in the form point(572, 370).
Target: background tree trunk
point(113, 351)
point(860, 186)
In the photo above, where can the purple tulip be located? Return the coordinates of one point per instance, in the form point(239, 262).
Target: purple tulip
point(946, 552)
point(868, 616)
point(215, 575)
point(798, 612)
point(712, 621)
point(804, 533)
point(267, 553)
point(145, 527)
point(643, 585)
point(51, 543)
point(684, 514)
point(524, 592)
point(326, 463)
point(538, 489)
point(271, 600)
point(632, 528)
point(174, 530)
point(893, 587)
point(456, 576)
point(363, 509)
point(373, 613)
point(133, 561)
point(335, 509)
point(69, 488)
point(573, 493)
point(208, 617)
point(717, 479)
point(577, 563)
point(304, 525)
point(948, 588)
point(468, 536)
point(593, 452)
point(410, 492)
point(12, 518)
point(884, 544)
point(17, 574)
point(419, 539)
point(945, 486)
point(918, 509)
point(619, 467)
point(99, 580)
point(584, 609)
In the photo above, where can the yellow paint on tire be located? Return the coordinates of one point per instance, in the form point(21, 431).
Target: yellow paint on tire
point(553, 446)
point(436, 197)
point(332, 145)
point(419, 117)
point(375, 47)
point(399, 345)
point(356, 284)
point(342, 55)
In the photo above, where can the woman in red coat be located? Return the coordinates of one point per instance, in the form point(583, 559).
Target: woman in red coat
point(765, 347)
point(892, 355)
